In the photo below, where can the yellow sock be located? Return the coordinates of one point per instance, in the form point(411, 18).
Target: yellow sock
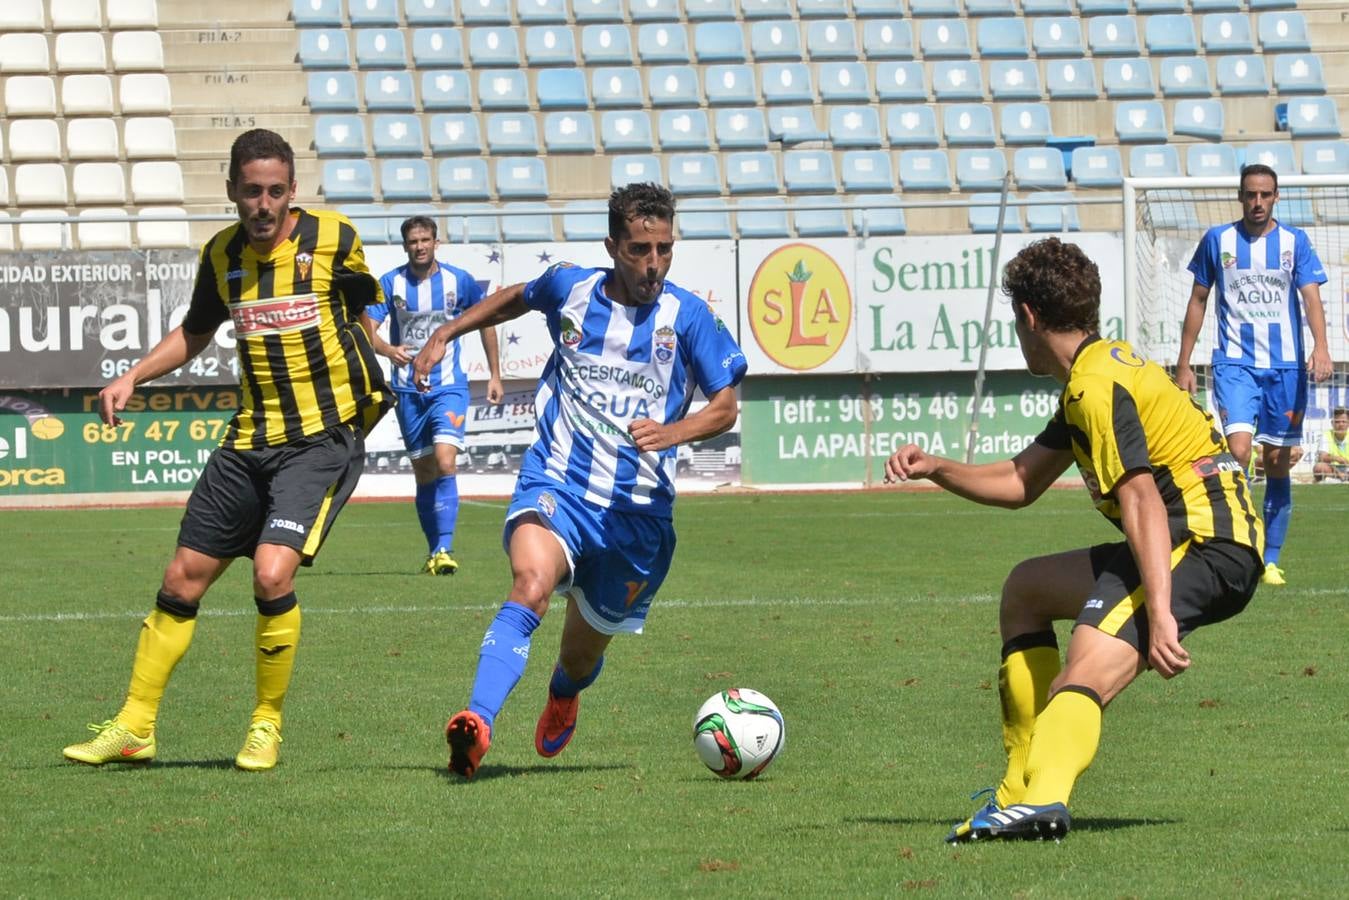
point(1023, 686)
point(277, 637)
point(163, 640)
point(1063, 745)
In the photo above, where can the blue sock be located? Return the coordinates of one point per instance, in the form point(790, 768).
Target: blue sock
point(426, 514)
point(562, 686)
point(501, 661)
point(1278, 511)
point(446, 511)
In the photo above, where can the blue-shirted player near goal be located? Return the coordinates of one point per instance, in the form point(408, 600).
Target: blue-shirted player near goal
point(418, 297)
point(592, 514)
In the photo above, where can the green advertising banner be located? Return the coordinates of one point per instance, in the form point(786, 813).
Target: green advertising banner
point(840, 429)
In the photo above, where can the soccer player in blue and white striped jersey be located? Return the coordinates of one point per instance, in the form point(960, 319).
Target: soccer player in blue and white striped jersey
point(1259, 268)
point(418, 298)
point(592, 514)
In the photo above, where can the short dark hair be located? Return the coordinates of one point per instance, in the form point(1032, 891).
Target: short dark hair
point(1257, 169)
point(640, 200)
point(1059, 283)
point(1339, 411)
point(412, 222)
point(259, 144)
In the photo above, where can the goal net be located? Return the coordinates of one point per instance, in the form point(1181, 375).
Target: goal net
point(1164, 218)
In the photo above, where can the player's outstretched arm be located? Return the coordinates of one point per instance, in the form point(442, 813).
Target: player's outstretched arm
point(718, 415)
point(175, 350)
point(1010, 483)
point(502, 306)
point(1189, 334)
point(1321, 366)
point(1145, 528)
point(491, 348)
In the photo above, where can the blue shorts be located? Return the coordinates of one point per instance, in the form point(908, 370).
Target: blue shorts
point(430, 419)
point(1268, 403)
point(618, 560)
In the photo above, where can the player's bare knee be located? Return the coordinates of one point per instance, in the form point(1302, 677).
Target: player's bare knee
point(272, 580)
point(532, 589)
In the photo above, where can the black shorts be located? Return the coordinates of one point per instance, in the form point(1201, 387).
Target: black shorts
point(1210, 581)
point(287, 495)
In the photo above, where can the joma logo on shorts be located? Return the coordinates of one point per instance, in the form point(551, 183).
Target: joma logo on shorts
point(286, 524)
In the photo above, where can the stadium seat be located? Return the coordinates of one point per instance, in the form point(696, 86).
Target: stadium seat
point(324, 49)
point(454, 134)
point(1057, 36)
point(1325, 157)
point(1103, 7)
point(437, 48)
point(46, 235)
point(541, 12)
point(30, 95)
point(24, 53)
point(75, 15)
point(699, 10)
point(976, 8)
point(866, 170)
point(1097, 167)
point(1149, 7)
point(879, 215)
point(144, 94)
point(983, 219)
point(957, 80)
point(1210, 160)
point(1127, 78)
point(1154, 161)
point(775, 39)
point(317, 13)
point(88, 138)
point(373, 13)
point(752, 172)
point(924, 170)
point(854, 127)
point(1272, 4)
point(1047, 8)
point(1206, 6)
point(694, 174)
point(1140, 121)
point(1313, 117)
point(446, 90)
point(787, 83)
point(626, 131)
point(1184, 76)
point(663, 42)
point(380, 48)
point(561, 89)
point(345, 180)
point(1014, 79)
point(463, 178)
point(156, 182)
point(934, 8)
point(512, 134)
point(339, 135)
point(397, 134)
point(765, 9)
point(654, 10)
point(616, 86)
point(684, 129)
point(485, 12)
point(741, 129)
point(494, 47)
point(1071, 79)
point(598, 10)
point(1198, 118)
point(1283, 32)
point(1052, 217)
point(1002, 38)
point(585, 220)
point(569, 132)
point(81, 51)
point(887, 39)
point(503, 89)
point(793, 125)
point(1239, 75)
point(154, 230)
point(968, 124)
point(94, 234)
point(831, 39)
point(1278, 155)
point(844, 82)
point(521, 178)
point(606, 45)
point(704, 219)
point(900, 81)
point(22, 15)
point(719, 42)
point(132, 14)
point(330, 92)
point(763, 218)
point(980, 169)
point(1295, 207)
point(1298, 73)
point(672, 86)
point(150, 137)
point(729, 85)
point(1227, 33)
point(808, 171)
point(389, 92)
point(816, 223)
point(1113, 36)
point(461, 225)
point(405, 180)
point(35, 140)
point(911, 125)
point(818, 9)
point(1039, 168)
point(633, 168)
point(528, 228)
point(1026, 123)
point(871, 9)
point(550, 45)
point(944, 39)
point(422, 13)
point(1170, 33)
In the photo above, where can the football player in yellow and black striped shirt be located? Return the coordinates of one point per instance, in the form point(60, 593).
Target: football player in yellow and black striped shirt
point(1159, 470)
point(295, 284)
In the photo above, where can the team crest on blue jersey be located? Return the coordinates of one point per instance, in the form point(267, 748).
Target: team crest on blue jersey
point(1286, 260)
point(571, 335)
point(1229, 259)
point(399, 302)
point(665, 343)
point(547, 504)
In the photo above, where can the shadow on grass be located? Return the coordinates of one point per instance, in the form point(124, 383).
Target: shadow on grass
point(1097, 824)
point(491, 772)
point(193, 764)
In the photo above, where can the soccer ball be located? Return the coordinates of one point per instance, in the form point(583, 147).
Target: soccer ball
point(737, 732)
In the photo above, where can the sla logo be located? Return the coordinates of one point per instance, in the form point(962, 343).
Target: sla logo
point(800, 308)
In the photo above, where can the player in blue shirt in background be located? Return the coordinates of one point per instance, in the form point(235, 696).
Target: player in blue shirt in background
point(592, 514)
point(1259, 267)
point(419, 297)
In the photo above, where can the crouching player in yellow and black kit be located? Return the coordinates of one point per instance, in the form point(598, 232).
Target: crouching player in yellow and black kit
point(1158, 470)
point(295, 284)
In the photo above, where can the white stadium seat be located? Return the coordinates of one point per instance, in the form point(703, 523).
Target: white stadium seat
point(30, 95)
point(145, 93)
point(44, 236)
point(24, 53)
point(75, 15)
point(99, 183)
point(91, 139)
point(132, 14)
point(137, 51)
point(96, 235)
point(22, 15)
point(151, 137)
point(34, 140)
point(40, 184)
point(162, 234)
point(81, 51)
point(86, 95)
point(156, 182)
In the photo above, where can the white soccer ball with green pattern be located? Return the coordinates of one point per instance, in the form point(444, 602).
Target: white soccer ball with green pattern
point(738, 732)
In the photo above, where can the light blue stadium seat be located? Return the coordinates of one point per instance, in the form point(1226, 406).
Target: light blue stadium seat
point(822, 9)
point(325, 48)
point(1198, 118)
point(437, 48)
point(1298, 73)
point(462, 226)
point(752, 172)
point(741, 128)
point(854, 126)
point(663, 42)
point(446, 89)
point(485, 12)
point(911, 125)
point(401, 212)
point(684, 129)
point(1014, 79)
point(381, 48)
point(1211, 160)
point(1325, 157)
point(541, 12)
point(348, 180)
point(1113, 36)
point(503, 89)
point(339, 135)
point(1052, 217)
point(618, 86)
point(632, 168)
point(1047, 8)
point(775, 39)
point(787, 83)
point(463, 179)
point(730, 85)
point(1184, 76)
point(968, 125)
point(512, 133)
point(1170, 33)
point(317, 13)
point(980, 169)
point(585, 220)
point(1283, 32)
point(934, 8)
point(654, 10)
point(1103, 7)
point(371, 229)
point(1039, 168)
point(887, 39)
point(389, 92)
point(983, 219)
point(454, 134)
point(816, 223)
point(793, 125)
point(976, 8)
point(808, 171)
point(1227, 33)
point(924, 170)
point(871, 9)
point(704, 219)
point(1154, 161)
point(831, 39)
point(672, 86)
point(1140, 121)
point(1057, 36)
point(1239, 75)
point(405, 179)
point(1097, 167)
point(694, 174)
point(521, 178)
point(1205, 6)
point(397, 134)
point(944, 39)
point(1278, 155)
point(332, 92)
point(550, 45)
point(606, 45)
point(1002, 38)
point(1272, 4)
point(719, 42)
point(494, 47)
point(880, 215)
point(957, 80)
point(528, 228)
point(373, 13)
point(1149, 7)
point(626, 131)
point(766, 9)
point(1071, 79)
point(1026, 123)
point(429, 12)
point(1127, 79)
point(569, 132)
point(1295, 207)
point(702, 10)
point(587, 11)
point(561, 89)
point(844, 82)
point(866, 170)
point(900, 81)
point(764, 218)
point(1313, 117)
